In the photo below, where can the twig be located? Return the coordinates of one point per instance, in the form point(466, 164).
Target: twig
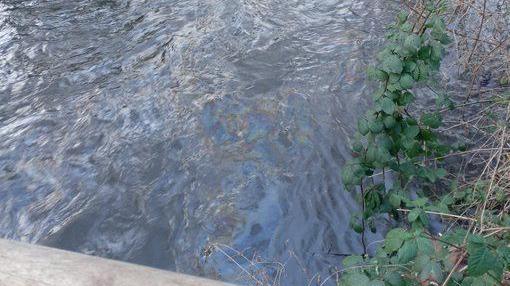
point(239, 265)
point(363, 239)
point(479, 32)
point(493, 177)
point(475, 102)
point(454, 268)
point(362, 267)
point(444, 214)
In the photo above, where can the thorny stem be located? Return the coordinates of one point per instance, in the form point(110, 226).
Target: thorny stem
point(479, 32)
point(461, 258)
point(444, 214)
point(363, 239)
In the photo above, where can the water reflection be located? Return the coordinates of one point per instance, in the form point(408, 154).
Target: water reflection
point(148, 130)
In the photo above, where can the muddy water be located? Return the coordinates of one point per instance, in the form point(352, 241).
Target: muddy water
point(147, 131)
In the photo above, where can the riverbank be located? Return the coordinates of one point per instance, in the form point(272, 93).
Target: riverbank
point(464, 183)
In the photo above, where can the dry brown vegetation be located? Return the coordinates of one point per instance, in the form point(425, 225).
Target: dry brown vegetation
point(477, 79)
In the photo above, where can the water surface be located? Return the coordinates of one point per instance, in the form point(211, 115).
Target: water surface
point(147, 131)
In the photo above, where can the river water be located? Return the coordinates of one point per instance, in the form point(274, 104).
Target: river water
point(147, 131)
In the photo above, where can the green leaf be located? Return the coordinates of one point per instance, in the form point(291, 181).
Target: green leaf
point(432, 120)
point(371, 155)
point(376, 126)
point(439, 33)
point(425, 245)
point(421, 261)
point(413, 215)
point(432, 175)
point(389, 122)
point(393, 87)
point(413, 149)
point(406, 81)
point(409, 66)
point(456, 237)
point(427, 173)
point(402, 16)
point(480, 281)
point(387, 105)
point(395, 200)
point(440, 173)
point(394, 78)
point(394, 278)
point(392, 64)
point(407, 168)
point(376, 74)
point(357, 146)
point(504, 254)
point(376, 283)
point(419, 202)
point(437, 51)
point(372, 202)
point(394, 239)
point(384, 141)
point(424, 218)
point(363, 126)
point(347, 175)
point(358, 228)
point(352, 260)
point(408, 251)
point(424, 52)
point(383, 155)
point(406, 98)
point(355, 223)
point(445, 39)
point(481, 259)
point(411, 131)
point(355, 279)
point(412, 42)
point(431, 272)
point(421, 72)
point(406, 27)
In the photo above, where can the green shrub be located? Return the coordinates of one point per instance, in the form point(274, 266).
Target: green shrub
point(392, 140)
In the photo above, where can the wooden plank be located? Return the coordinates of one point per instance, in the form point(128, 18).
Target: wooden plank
point(24, 264)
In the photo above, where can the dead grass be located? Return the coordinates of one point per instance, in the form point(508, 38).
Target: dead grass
point(480, 30)
point(481, 33)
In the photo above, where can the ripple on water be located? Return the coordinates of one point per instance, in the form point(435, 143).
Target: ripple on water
point(148, 131)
